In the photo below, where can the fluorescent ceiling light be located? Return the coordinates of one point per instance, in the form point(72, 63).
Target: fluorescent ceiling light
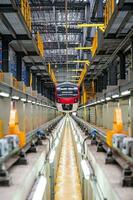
point(108, 98)
point(40, 189)
point(33, 102)
point(23, 99)
point(102, 100)
point(29, 101)
point(124, 93)
point(85, 169)
point(51, 156)
point(4, 94)
point(98, 101)
point(115, 96)
point(15, 97)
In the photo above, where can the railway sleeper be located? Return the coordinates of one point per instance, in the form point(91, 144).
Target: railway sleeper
point(100, 147)
point(5, 178)
point(127, 177)
point(22, 158)
point(33, 148)
point(109, 159)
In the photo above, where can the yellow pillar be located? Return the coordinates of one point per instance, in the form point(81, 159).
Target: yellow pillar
point(1, 129)
point(84, 99)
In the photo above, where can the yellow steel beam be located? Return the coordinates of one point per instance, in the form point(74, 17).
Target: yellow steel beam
point(100, 26)
point(75, 76)
point(83, 74)
point(40, 44)
point(75, 70)
point(74, 81)
point(83, 48)
point(81, 61)
point(51, 73)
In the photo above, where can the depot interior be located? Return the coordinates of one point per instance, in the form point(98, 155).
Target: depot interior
point(66, 99)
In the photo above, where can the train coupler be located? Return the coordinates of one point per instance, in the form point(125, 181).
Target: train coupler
point(5, 178)
point(127, 177)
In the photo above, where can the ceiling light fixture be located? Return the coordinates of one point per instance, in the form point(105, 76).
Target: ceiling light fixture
point(125, 93)
point(4, 94)
point(15, 97)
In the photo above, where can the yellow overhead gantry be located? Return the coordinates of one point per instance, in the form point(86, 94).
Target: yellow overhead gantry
point(75, 70)
point(83, 48)
point(84, 70)
point(95, 25)
point(81, 61)
point(76, 76)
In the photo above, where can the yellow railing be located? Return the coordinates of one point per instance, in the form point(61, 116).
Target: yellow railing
point(40, 44)
point(26, 12)
point(109, 10)
point(1, 76)
point(51, 73)
point(94, 44)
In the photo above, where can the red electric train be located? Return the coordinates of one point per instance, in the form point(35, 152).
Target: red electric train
point(67, 97)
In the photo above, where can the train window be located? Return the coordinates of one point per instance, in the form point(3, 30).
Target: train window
point(67, 91)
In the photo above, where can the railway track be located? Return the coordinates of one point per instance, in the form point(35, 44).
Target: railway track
point(113, 155)
point(18, 156)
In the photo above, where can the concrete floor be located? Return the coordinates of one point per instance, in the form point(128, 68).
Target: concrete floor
point(23, 176)
point(108, 176)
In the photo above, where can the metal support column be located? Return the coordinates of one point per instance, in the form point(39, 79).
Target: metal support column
point(105, 79)
point(96, 85)
point(100, 83)
point(34, 81)
point(39, 84)
point(5, 55)
point(42, 88)
point(122, 65)
point(19, 67)
point(28, 71)
point(112, 74)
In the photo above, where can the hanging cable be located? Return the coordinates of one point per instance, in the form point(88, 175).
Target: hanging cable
point(66, 14)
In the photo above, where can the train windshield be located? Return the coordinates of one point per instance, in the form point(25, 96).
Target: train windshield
point(67, 91)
